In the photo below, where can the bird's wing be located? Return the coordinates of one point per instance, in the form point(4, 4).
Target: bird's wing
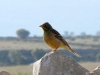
point(58, 36)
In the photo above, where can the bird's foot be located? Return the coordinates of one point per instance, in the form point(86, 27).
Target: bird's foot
point(52, 51)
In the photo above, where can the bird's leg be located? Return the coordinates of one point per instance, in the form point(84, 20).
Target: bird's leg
point(52, 51)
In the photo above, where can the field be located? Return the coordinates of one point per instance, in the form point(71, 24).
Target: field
point(18, 70)
point(75, 43)
point(90, 65)
point(27, 69)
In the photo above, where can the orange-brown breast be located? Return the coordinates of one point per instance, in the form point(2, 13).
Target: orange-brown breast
point(52, 41)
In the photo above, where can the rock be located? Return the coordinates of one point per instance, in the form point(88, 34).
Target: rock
point(4, 73)
point(95, 72)
point(57, 64)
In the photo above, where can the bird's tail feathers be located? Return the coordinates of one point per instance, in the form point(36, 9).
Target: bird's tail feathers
point(72, 51)
point(75, 54)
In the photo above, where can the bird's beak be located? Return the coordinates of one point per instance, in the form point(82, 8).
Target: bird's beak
point(40, 26)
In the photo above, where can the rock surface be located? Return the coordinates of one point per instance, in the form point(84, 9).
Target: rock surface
point(95, 72)
point(4, 73)
point(57, 64)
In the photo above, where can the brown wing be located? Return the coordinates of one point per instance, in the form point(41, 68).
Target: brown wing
point(58, 36)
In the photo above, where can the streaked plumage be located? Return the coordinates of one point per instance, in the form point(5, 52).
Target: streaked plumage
point(54, 39)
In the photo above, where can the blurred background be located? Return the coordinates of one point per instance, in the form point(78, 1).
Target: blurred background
point(21, 41)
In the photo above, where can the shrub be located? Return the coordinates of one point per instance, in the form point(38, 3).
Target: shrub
point(38, 53)
point(16, 57)
point(98, 57)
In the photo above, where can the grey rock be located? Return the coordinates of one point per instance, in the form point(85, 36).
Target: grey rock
point(57, 64)
point(95, 72)
point(4, 73)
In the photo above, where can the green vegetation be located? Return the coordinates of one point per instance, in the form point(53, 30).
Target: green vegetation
point(25, 57)
point(38, 53)
point(20, 57)
point(16, 57)
point(98, 57)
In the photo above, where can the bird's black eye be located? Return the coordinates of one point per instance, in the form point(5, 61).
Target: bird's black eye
point(46, 25)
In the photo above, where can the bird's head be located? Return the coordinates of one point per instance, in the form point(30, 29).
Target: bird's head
point(46, 26)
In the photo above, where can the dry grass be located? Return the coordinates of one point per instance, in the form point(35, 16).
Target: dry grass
point(27, 69)
point(18, 70)
point(75, 44)
point(16, 45)
point(90, 65)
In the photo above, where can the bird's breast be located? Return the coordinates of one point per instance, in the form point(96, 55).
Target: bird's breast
point(51, 40)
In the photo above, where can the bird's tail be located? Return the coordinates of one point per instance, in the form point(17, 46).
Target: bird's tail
point(75, 53)
point(72, 51)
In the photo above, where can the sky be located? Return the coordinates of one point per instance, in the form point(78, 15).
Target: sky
point(64, 15)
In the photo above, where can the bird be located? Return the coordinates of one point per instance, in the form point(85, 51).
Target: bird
point(54, 39)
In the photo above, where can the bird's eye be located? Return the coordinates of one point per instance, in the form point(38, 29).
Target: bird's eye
point(46, 25)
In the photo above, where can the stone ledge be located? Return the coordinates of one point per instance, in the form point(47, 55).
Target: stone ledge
point(57, 64)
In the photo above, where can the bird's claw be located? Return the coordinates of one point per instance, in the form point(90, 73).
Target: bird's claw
point(52, 51)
